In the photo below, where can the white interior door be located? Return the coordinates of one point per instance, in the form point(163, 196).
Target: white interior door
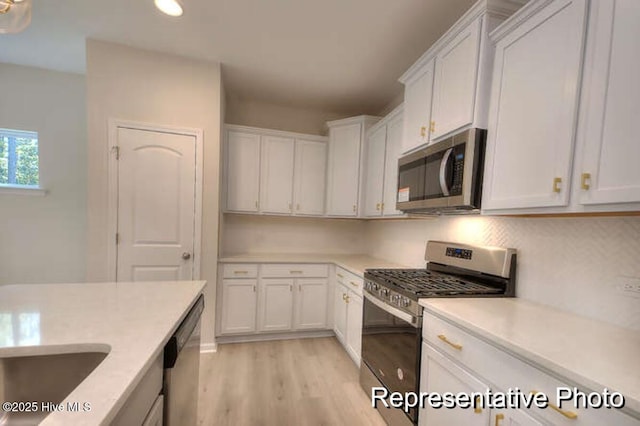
point(156, 205)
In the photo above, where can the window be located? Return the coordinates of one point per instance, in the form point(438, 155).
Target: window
point(19, 158)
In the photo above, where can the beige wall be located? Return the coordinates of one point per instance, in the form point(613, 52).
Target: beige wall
point(274, 234)
point(42, 239)
point(574, 264)
point(279, 117)
point(149, 87)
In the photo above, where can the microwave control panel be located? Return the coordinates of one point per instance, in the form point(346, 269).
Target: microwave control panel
point(458, 169)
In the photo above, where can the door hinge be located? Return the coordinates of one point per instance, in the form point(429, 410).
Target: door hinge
point(117, 238)
point(116, 151)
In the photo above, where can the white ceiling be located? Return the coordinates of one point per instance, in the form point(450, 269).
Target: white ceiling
point(334, 55)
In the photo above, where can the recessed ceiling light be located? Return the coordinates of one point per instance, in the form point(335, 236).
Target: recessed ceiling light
point(170, 7)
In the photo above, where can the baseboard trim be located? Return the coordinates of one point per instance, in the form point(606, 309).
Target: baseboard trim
point(273, 336)
point(208, 348)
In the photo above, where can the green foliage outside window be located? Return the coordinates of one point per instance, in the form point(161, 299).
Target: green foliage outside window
point(18, 157)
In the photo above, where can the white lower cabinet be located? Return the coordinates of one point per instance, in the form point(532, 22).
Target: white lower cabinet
point(281, 298)
point(276, 304)
point(441, 375)
point(155, 415)
point(454, 360)
point(239, 306)
point(311, 304)
point(348, 312)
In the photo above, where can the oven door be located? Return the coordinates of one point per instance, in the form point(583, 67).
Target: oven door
point(391, 346)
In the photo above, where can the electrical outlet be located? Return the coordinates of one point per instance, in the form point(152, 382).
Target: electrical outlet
point(629, 285)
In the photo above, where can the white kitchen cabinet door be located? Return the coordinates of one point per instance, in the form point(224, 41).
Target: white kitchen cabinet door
point(239, 299)
point(311, 303)
point(343, 178)
point(612, 101)
point(276, 175)
point(455, 79)
point(310, 177)
point(354, 326)
point(532, 118)
point(439, 375)
point(375, 166)
point(417, 109)
point(394, 147)
point(276, 304)
point(243, 171)
point(340, 313)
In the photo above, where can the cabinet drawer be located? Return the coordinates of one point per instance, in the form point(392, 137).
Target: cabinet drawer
point(294, 270)
point(508, 372)
point(240, 270)
point(350, 280)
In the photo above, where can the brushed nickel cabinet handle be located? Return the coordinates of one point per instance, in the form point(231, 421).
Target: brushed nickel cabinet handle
point(295, 272)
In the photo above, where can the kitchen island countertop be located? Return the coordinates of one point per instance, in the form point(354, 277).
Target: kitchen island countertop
point(588, 352)
point(129, 321)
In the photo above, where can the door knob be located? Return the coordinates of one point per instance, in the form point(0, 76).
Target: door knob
point(186, 256)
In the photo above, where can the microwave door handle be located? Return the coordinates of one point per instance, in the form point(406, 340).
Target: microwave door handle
point(443, 172)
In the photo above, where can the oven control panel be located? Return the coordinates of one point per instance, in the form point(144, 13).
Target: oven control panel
point(393, 298)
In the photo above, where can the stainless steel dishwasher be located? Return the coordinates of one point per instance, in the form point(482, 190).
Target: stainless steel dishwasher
point(181, 370)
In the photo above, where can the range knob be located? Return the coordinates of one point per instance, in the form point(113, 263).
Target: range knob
point(384, 292)
point(406, 302)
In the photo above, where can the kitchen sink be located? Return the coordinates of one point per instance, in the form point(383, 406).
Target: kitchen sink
point(39, 379)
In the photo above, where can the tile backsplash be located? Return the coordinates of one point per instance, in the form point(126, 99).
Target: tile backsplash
point(576, 264)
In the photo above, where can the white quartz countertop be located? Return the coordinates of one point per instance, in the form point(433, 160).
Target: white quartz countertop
point(355, 263)
point(130, 321)
point(590, 353)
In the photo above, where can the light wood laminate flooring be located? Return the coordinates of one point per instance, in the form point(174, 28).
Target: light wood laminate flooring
point(284, 382)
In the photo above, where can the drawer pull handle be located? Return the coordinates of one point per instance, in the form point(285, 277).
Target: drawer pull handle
point(448, 342)
point(568, 414)
point(344, 297)
point(498, 418)
point(423, 131)
point(340, 275)
point(353, 284)
point(347, 299)
point(556, 184)
point(240, 272)
point(295, 272)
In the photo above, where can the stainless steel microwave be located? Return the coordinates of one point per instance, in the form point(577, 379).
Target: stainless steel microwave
point(444, 177)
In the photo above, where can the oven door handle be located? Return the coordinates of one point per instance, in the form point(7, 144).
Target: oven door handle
point(412, 320)
point(443, 172)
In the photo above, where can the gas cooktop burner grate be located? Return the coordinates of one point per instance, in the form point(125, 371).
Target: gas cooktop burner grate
point(425, 283)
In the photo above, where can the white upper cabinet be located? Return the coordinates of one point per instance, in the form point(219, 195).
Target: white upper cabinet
point(534, 105)
point(455, 80)
point(394, 150)
point(417, 108)
point(243, 171)
point(609, 171)
point(310, 177)
point(562, 136)
point(344, 171)
point(274, 172)
point(374, 178)
point(383, 147)
point(447, 89)
point(276, 176)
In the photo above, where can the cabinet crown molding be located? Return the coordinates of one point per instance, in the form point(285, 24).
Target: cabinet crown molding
point(367, 119)
point(273, 132)
point(496, 8)
point(522, 15)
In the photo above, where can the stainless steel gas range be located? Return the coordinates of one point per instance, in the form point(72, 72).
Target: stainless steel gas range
point(392, 323)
